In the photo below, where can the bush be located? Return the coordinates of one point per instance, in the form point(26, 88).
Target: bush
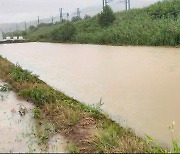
point(106, 17)
point(165, 9)
point(20, 75)
point(32, 27)
point(76, 18)
point(37, 113)
point(39, 95)
point(64, 33)
point(87, 16)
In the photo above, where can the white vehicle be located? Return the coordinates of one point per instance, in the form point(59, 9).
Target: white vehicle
point(21, 38)
point(15, 38)
point(1, 36)
point(8, 38)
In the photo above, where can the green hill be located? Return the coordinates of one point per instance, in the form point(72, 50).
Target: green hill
point(156, 25)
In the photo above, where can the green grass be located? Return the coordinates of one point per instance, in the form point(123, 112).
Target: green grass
point(72, 148)
point(37, 113)
point(107, 139)
point(157, 25)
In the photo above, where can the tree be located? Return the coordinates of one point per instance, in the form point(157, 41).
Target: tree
point(87, 16)
point(32, 27)
point(106, 17)
point(76, 18)
point(165, 9)
point(64, 33)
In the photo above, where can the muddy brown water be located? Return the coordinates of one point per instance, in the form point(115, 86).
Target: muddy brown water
point(17, 132)
point(139, 86)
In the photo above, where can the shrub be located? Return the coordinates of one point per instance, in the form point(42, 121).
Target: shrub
point(37, 113)
point(20, 75)
point(165, 9)
point(32, 27)
point(87, 16)
point(64, 33)
point(39, 95)
point(106, 17)
point(76, 18)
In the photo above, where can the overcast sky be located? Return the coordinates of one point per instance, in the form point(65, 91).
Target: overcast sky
point(26, 10)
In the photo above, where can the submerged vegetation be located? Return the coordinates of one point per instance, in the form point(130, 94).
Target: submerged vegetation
point(5, 88)
point(156, 25)
point(85, 127)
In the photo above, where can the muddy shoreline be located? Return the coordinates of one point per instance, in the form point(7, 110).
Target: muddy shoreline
point(19, 128)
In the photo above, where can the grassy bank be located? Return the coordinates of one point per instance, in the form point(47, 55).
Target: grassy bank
point(86, 129)
point(156, 25)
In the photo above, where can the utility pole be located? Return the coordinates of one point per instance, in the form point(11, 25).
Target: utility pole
point(25, 25)
point(67, 16)
point(129, 5)
point(126, 4)
point(106, 2)
point(52, 19)
point(38, 21)
point(61, 16)
point(103, 5)
point(16, 27)
point(78, 13)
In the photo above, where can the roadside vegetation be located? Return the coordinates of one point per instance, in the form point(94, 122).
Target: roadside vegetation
point(85, 127)
point(156, 25)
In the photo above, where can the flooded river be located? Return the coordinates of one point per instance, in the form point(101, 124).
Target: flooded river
point(139, 86)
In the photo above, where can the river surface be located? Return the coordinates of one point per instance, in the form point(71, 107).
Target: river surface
point(139, 86)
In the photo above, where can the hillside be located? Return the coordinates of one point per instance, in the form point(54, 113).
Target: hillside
point(156, 25)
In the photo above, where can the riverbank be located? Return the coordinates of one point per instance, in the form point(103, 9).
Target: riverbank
point(86, 129)
point(156, 25)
